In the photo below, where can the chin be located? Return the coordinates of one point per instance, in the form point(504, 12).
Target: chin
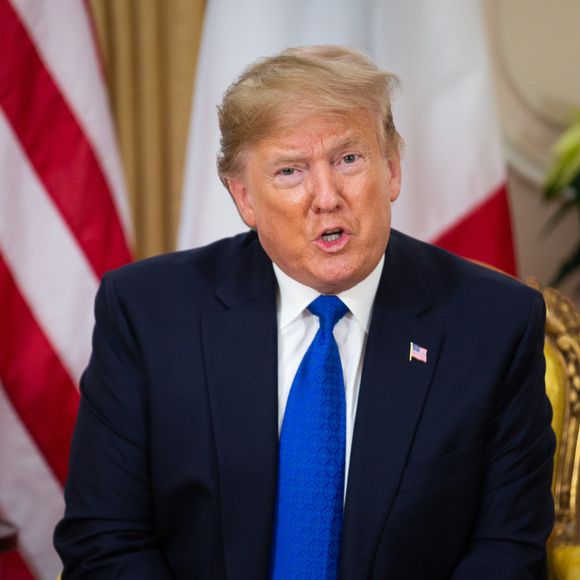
point(335, 284)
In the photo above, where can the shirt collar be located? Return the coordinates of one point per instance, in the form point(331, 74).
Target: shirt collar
point(294, 297)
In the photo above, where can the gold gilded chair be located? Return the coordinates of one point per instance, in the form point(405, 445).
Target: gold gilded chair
point(562, 352)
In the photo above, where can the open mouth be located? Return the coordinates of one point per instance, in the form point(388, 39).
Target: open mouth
point(331, 235)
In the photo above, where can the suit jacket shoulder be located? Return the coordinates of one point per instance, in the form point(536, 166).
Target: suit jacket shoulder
point(420, 275)
point(230, 266)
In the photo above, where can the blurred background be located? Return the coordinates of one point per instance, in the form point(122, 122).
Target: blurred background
point(108, 141)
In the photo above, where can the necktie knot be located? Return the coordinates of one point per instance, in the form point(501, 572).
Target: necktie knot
point(329, 309)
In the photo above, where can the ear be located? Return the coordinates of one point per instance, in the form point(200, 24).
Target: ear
point(394, 175)
point(243, 200)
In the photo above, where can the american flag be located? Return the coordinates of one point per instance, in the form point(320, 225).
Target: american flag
point(417, 352)
point(64, 221)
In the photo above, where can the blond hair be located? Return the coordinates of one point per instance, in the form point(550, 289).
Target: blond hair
point(298, 83)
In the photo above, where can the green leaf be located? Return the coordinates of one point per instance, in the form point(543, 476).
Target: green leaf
point(557, 216)
point(569, 265)
point(566, 165)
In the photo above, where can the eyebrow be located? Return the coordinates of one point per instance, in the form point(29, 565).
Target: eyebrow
point(285, 159)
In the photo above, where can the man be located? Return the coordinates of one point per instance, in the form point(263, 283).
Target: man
point(228, 429)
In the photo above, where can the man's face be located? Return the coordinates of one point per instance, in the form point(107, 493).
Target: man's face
point(319, 195)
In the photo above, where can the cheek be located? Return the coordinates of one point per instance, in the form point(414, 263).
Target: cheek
point(375, 210)
point(281, 212)
point(376, 229)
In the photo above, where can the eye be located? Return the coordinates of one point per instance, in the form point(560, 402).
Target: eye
point(288, 176)
point(350, 158)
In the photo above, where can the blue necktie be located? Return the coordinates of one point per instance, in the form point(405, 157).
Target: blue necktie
point(311, 465)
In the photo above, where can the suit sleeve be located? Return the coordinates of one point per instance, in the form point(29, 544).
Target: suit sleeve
point(516, 510)
point(108, 529)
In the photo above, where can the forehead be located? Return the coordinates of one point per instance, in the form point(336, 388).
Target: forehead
point(319, 134)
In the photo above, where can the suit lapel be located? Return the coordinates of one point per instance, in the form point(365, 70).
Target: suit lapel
point(240, 353)
point(393, 391)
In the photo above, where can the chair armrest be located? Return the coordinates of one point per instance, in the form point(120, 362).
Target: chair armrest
point(565, 562)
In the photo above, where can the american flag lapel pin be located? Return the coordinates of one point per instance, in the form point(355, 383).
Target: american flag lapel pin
point(417, 352)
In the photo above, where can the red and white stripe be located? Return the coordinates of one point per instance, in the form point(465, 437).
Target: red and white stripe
point(453, 171)
point(64, 221)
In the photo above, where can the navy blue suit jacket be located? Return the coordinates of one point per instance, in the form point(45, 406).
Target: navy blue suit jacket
point(174, 459)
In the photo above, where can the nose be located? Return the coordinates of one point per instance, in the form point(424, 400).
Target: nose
point(325, 190)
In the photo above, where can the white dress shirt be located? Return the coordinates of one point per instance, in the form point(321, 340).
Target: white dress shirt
point(297, 328)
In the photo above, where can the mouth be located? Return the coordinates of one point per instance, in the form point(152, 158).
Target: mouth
point(332, 240)
point(331, 235)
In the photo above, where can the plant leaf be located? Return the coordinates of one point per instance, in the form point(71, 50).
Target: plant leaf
point(557, 216)
point(566, 165)
point(569, 265)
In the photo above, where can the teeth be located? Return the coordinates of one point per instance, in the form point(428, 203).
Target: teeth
point(331, 236)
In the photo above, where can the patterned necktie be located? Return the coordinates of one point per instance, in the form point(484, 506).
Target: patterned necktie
point(311, 465)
